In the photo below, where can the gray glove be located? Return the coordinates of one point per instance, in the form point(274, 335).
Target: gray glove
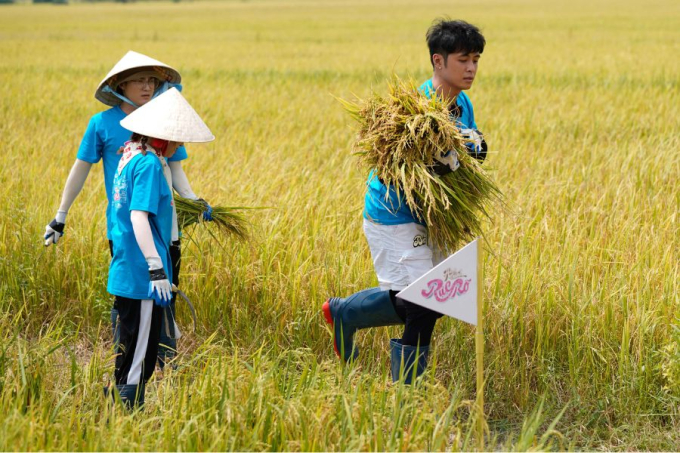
point(446, 163)
point(55, 229)
point(475, 143)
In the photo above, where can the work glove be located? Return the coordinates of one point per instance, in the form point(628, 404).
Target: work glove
point(207, 212)
point(446, 163)
point(55, 230)
point(475, 143)
point(160, 288)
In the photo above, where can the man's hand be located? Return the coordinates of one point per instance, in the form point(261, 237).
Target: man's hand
point(475, 143)
point(446, 163)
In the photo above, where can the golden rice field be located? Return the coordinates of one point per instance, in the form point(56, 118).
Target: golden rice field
point(579, 103)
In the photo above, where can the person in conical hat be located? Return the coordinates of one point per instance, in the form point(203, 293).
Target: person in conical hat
point(132, 82)
point(141, 269)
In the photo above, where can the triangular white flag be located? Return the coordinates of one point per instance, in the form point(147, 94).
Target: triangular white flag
point(451, 287)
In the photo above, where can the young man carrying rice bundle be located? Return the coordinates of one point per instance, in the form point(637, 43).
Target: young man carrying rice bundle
point(399, 240)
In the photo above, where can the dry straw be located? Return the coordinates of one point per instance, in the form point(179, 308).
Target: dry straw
point(400, 134)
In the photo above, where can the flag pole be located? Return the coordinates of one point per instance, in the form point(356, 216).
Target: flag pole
point(479, 346)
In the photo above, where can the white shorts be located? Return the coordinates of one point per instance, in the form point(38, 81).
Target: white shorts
point(401, 253)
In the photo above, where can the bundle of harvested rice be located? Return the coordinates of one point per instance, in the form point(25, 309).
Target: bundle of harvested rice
point(225, 219)
point(399, 138)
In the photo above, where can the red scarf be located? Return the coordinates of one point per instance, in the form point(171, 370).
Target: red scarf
point(159, 145)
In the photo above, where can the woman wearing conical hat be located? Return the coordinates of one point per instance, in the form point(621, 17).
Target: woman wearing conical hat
point(141, 216)
point(132, 82)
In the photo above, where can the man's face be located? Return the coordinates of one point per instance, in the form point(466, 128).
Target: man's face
point(139, 90)
point(460, 69)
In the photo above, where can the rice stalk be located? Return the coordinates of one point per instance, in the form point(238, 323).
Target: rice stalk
point(226, 219)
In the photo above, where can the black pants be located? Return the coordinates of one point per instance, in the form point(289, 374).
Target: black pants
point(419, 321)
point(168, 345)
point(140, 324)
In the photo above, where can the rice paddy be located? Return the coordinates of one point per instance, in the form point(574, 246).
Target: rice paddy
point(578, 103)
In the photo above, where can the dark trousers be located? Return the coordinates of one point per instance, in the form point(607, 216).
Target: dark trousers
point(168, 344)
point(418, 321)
point(139, 324)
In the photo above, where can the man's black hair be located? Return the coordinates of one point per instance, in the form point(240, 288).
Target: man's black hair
point(453, 36)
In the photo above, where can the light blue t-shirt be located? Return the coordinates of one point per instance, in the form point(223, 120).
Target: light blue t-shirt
point(393, 209)
point(102, 140)
point(140, 186)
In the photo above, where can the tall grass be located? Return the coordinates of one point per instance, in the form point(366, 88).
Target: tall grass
point(577, 103)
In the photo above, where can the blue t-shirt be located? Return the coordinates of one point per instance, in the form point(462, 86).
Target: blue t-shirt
point(140, 186)
point(392, 210)
point(102, 140)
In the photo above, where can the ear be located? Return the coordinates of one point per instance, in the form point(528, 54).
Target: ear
point(438, 61)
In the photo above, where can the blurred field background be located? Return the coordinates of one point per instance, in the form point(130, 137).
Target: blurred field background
point(579, 103)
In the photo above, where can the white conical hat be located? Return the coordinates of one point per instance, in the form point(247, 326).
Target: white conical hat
point(169, 117)
point(133, 60)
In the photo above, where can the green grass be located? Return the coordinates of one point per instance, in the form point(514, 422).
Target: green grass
point(578, 102)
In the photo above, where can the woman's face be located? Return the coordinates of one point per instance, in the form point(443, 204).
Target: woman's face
point(139, 90)
point(172, 148)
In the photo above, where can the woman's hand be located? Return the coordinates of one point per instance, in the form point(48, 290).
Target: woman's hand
point(160, 288)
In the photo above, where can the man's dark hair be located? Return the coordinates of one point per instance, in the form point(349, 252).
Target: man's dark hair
point(453, 36)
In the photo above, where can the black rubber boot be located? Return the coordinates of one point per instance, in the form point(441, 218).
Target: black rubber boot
point(131, 395)
point(404, 358)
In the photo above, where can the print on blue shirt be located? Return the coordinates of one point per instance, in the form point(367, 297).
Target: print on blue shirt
point(139, 186)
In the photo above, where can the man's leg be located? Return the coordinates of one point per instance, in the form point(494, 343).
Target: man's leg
point(409, 354)
point(368, 308)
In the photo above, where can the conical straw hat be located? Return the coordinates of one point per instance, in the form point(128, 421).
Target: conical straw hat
point(133, 60)
point(169, 117)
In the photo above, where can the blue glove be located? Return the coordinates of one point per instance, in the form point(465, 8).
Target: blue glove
point(207, 213)
point(160, 289)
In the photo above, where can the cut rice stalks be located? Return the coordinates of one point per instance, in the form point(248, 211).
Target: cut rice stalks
point(225, 219)
point(399, 136)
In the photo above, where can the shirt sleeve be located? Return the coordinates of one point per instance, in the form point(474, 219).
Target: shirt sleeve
point(180, 154)
point(473, 124)
point(91, 145)
point(147, 178)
